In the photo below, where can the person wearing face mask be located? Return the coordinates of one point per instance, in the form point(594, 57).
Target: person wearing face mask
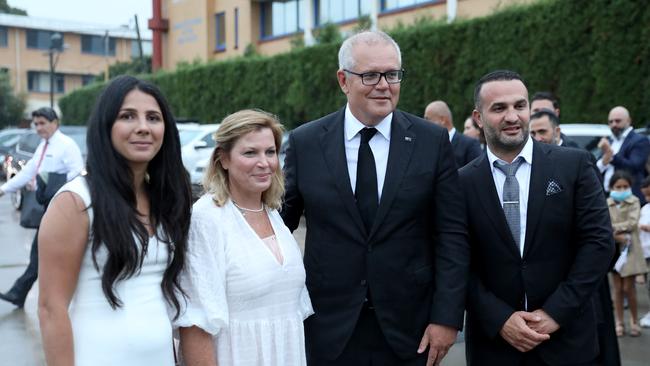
point(624, 211)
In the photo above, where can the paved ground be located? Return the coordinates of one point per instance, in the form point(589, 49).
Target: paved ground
point(20, 343)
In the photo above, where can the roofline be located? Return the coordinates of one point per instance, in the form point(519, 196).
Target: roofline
point(65, 26)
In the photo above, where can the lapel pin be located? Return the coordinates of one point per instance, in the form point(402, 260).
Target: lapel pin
point(408, 138)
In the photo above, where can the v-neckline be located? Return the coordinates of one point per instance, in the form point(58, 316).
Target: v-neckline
point(257, 237)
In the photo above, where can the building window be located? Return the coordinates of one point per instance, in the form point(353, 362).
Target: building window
point(39, 39)
point(335, 11)
point(388, 5)
point(281, 18)
point(236, 28)
point(220, 36)
point(3, 36)
point(39, 82)
point(87, 79)
point(97, 45)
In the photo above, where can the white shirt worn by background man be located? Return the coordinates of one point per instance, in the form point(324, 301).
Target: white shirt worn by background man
point(61, 156)
point(609, 168)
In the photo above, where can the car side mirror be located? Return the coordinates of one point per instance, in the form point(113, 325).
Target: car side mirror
point(200, 145)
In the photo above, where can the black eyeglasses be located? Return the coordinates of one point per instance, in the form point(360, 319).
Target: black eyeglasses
point(373, 78)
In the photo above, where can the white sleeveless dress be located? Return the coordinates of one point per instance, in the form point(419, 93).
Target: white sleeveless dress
point(137, 333)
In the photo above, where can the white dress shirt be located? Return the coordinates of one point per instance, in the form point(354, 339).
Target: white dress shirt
point(608, 169)
point(379, 144)
point(61, 156)
point(452, 132)
point(523, 178)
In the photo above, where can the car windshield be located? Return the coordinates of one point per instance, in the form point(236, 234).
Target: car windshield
point(10, 139)
point(188, 135)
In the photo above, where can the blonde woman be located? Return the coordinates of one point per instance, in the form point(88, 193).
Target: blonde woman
point(244, 276)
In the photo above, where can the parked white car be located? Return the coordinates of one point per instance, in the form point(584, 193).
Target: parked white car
point(196, 143)
point(586, 135)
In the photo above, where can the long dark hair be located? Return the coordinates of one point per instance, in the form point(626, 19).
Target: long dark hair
point(114, 201)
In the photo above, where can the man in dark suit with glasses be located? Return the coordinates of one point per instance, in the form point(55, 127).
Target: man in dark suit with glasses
point(386, 251)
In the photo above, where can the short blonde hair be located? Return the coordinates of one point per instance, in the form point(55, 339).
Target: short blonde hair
point(232, 128)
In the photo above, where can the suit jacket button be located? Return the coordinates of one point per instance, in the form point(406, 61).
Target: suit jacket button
point(523, 265)
point(363, 282)
point(369, 248)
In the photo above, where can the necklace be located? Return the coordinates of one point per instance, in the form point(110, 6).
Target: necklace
point(244, 210)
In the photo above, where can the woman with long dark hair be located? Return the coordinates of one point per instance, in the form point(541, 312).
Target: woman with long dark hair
point(112, 243)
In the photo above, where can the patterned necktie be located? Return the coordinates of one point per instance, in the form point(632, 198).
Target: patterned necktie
point(511, 196)
point(366, 186)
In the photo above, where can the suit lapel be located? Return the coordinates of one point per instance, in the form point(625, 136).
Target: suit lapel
point(333, 148)
point(399, 154)
point(626, 142)
point(540, 175)
point(455, 140)
point(484, 184)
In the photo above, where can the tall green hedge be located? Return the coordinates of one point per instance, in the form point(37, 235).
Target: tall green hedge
point(593, 54)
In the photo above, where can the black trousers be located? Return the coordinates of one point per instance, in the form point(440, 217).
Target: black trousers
point(368, 347)
point(24, 283)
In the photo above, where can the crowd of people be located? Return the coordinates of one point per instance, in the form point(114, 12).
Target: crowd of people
point(414, 231)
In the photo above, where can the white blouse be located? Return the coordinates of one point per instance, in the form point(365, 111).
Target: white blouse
point(238, 291)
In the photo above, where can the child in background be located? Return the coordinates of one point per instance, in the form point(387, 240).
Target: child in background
point(644, 235)
point(624, 211)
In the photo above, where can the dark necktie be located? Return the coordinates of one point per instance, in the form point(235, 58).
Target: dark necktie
point(511, 197)
point(366, 187)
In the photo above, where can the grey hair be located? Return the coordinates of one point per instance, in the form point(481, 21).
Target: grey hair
point(369, 37)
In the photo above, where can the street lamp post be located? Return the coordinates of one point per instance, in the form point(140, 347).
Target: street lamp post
point(56, 44)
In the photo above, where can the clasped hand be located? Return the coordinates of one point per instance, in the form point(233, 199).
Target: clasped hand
point(526, 330)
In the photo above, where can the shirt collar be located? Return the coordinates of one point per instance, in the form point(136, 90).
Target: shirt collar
point(54, 136)
point(353, 125)
point(452, 132)
point(526, 153)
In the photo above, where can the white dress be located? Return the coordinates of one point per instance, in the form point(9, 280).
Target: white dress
point(137, 333)
point(252, 305)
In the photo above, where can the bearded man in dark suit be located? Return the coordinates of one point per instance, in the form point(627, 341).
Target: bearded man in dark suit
point(540, 237)
point(386, 251)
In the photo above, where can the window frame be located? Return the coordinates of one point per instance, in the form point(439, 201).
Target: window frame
point(38, 46)
point(4, 36)
point(59, 81)
point(112, 45)
point(317, 20)
point(220, 23)
point(263, 11)
point(383, 10)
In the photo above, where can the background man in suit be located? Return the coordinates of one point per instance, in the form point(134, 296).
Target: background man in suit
point(545, 128)
point(547, 101)
point(626, 150)
point(531, 287)
point(386, 249)
point(465, 149)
